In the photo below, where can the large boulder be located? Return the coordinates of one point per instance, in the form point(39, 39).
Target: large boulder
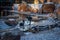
point(48, 7)
point(58, 13)
point(11, 22)
point(56, 1)
point(22, 7)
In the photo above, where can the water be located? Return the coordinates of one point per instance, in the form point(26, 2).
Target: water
point(3, 25)
point(49, 21)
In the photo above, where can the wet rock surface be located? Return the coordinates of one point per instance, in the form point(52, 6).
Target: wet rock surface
point(53, 34)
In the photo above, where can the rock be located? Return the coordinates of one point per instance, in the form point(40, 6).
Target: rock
point(48, 7)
